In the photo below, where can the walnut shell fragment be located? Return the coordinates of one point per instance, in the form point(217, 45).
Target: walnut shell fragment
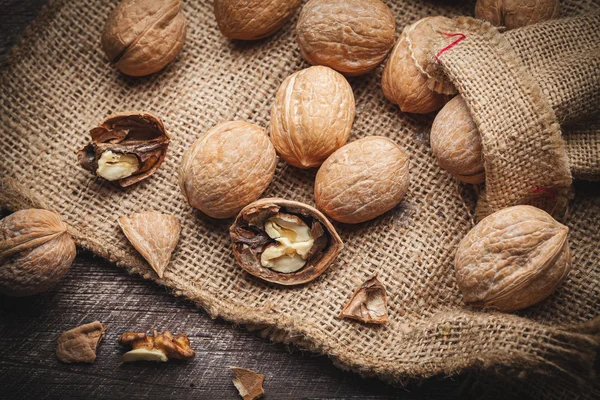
point(126, 147)
point(368, 303)
point(142, 36)
point(248, 383)
point(80, 344)
point(278, 223)
point(36, 251)
point(512, 259)
point(154, 236)
point(160, 347)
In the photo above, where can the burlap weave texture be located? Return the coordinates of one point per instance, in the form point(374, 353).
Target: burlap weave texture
point(58, 85)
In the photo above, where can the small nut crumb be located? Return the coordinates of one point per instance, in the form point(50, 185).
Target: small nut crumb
point(248, 383)
point(294, 241)
point(80, 344)
point(160, 347)
point(368, 303)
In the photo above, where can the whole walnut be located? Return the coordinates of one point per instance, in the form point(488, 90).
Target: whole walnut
point(252, 19)
point(411, 77)
point(516, 13)
point(350, 36)
point(227, 168)
point(362, 180)
point(512, 259)
point(35, 252)
point(456, 143)
point(142, 36)
point(312, 116)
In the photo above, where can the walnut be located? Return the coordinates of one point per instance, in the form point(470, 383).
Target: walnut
point(160, 347)
point(456, 143)
point(80, 344)
point(362, 180)
point(312, 116)
point(154, 236)
point(126, 148)
point(512, 259)
point(252, 19)
point(142, 36)
point(248, 383)
point(411, 77)
point(36, 251)
point(227, 168)
point(284, 242)
point(350, 36)
point(368, 303)
point(516, 13)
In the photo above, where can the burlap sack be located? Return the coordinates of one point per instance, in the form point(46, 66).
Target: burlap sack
point(58, 85)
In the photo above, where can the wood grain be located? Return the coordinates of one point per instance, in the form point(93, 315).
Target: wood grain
point(97, 290)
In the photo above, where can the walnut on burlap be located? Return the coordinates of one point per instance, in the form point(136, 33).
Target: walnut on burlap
point(58, 84)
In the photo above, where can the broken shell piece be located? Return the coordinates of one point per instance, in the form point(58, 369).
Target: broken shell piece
point(154, 236)
point(80, 344)
point(248, 383)
point(160, 347)
point(368, 303)
point(284, 242)
point(126, 147)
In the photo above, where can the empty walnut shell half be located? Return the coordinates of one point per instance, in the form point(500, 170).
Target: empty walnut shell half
point(126, 148)
point(283, 241)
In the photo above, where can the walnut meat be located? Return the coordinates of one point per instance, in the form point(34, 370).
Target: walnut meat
point(516, 13)
point(411, 77)
point(362, 180)
point(252, 19)
point(126, 148)
point(142, 36)
point(227, 168)
point(160, 347)
point(312, 116)
point(350, 36)
point(456, 143)
point(284, 242)
point(36, 251)
point(512, 259)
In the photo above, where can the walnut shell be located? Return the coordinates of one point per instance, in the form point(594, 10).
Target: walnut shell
point(456, 143)
point(362, 180)
point(249, 240)
point(312, 116)
point(512, 259)
point(350, 36)
point(227, 168)
point(35, 252)
point(252, 19)
point(516, 13)
point(411, 77)
point(142, 36)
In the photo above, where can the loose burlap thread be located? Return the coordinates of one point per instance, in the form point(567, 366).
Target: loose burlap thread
point(58, 85)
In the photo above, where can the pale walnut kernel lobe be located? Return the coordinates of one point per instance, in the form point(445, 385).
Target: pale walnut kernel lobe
point(512, 259)
point(283, 241)
point(126, 148)
point(159, 347)
point(248, 383)
point(154, 236)
point(252, 19)
point(368, 303)
point(80, 344)
point(350, 36)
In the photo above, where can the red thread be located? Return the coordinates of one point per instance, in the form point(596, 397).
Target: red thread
point(451, 45)
point(549, 192)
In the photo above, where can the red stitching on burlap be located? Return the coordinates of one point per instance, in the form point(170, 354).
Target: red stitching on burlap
point(549, 192)
point(451, 45)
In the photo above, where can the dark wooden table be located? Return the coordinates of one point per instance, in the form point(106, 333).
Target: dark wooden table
point(97, 290)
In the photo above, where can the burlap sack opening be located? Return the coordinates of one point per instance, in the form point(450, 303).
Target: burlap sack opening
point(58, 85)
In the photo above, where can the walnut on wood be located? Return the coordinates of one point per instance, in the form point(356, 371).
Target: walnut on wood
point(160, 347)
point(248, 383)
point(36, 251)
point(512, 259)
point(80, 344)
